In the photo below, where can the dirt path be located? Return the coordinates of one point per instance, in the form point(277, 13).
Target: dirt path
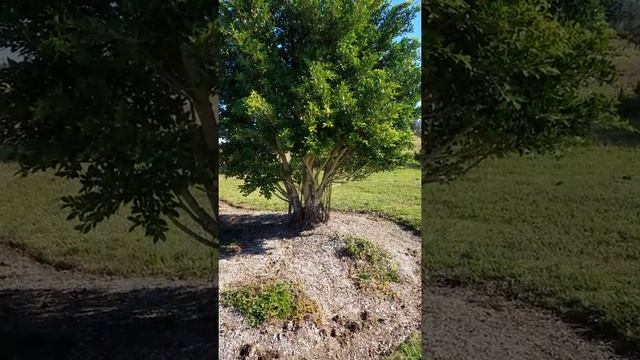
point(462, 324)
point(51, 314)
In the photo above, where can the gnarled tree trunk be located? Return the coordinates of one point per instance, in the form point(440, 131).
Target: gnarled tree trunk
point(310, 200)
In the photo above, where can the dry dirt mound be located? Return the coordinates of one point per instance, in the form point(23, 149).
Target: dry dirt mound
point(354, 324)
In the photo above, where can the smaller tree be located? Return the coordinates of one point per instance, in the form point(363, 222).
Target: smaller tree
point(315, 92)
point(505, 76)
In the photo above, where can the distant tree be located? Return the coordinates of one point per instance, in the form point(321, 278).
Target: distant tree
point(121, 95)
point(510, 76)
point(315, 92)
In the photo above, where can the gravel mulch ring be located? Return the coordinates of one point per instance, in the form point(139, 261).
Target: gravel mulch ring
point(51, 314)
point(354, 324)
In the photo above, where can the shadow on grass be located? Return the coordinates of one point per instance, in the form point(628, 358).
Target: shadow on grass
point(154, 323)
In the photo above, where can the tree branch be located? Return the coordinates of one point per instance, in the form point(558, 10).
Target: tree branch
point(206, 221)
point(192, 233)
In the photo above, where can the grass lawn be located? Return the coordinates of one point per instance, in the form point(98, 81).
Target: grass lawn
point(562, 234)
point(30, 217)
point(395, 195)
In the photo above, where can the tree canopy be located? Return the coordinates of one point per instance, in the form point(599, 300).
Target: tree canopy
point(122, 96)
point(315, 92)
point(510, 76)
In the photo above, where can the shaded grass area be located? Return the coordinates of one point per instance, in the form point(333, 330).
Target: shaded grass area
point(373, 267)
point(410, 349)
point(563, 234)
point(31, 218)
point(394, 194)
point(269, 301)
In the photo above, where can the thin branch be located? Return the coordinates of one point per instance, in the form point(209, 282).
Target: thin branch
point(189, 212)
point(328, 173)
point(466, 130)
point(205, 219)
point(281, 194)
point(192, 233)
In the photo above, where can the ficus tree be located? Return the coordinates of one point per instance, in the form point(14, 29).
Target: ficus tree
point(315, 92)
point(122, 96)
point(510, 76)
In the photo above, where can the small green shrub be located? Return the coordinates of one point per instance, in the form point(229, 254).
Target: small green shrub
point(410, 349)
point(272, 300)
point(373, 267)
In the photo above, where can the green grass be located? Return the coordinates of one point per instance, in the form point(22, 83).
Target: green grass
point(268, 301)
point(562, 234)
point(31, 218)
point(410, 349)
point(395, 195)
point(373, 267)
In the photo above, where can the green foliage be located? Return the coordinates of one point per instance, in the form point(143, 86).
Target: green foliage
point(373, 267)
point(271, 300)
point(318, 88)
point(410, 349)
point(510, 76)
point(104, 93)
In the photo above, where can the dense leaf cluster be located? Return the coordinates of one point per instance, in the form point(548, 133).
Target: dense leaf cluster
point(504, 76)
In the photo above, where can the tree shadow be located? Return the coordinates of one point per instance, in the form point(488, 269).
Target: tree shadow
point(249, 233)
point(148, 323)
